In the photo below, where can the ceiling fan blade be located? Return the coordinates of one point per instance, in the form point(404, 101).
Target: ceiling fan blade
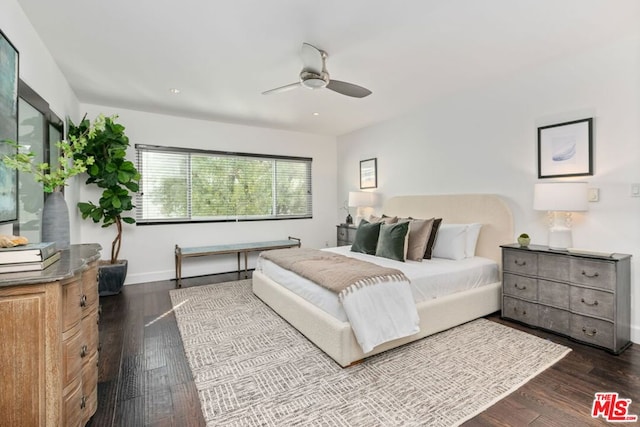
point(312, 58)
point(282, 88)
point(348, 89)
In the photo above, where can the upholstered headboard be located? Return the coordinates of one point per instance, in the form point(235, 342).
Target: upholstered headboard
point(488, 209)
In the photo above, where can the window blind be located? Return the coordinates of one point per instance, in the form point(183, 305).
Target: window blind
point(190, 185)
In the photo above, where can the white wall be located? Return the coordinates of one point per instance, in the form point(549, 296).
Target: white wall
point(40, 72)
point(150, 248)
point(484, 141)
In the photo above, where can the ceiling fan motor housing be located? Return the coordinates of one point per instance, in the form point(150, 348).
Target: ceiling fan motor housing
point(314, 81)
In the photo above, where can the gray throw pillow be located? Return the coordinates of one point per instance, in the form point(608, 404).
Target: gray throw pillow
point(366, 238)
point(392, 241)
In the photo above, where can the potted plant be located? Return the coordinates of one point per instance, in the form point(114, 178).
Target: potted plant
point(55, 215)
point(118, 178)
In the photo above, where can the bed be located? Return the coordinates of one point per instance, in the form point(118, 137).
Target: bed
point(335, 336)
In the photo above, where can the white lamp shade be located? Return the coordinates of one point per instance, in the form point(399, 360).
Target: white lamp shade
point(361, 199)
point(560, 196)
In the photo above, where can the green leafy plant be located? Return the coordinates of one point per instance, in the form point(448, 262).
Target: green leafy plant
point(112, 172)
point(71, 160)
point(524, 236)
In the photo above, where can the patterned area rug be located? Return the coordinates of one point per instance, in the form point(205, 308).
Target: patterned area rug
point(252, 368)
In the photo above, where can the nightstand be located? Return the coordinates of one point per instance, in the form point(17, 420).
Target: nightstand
point(346, 233)
point(582, 296)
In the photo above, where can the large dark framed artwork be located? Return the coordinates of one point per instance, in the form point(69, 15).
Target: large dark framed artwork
point(8, 128)
point(369, 173)
point(566, 149)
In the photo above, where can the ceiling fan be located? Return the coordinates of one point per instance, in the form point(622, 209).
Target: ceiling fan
point(314, 75)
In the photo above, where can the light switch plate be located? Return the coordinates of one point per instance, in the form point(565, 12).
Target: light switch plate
point(635, 190)
point(593, 194)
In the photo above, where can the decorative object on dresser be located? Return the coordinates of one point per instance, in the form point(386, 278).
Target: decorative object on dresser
point(49, 354)
point(579, 295)
point(524, 239)
point(565, 149)
point(345, 234)
point(31, 252)
point(560, 199)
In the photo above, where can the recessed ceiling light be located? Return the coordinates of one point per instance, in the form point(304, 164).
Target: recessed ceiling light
point(315, 113)
point(174, 91)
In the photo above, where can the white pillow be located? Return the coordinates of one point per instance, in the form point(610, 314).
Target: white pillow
point(451, 241)
point(473, 232)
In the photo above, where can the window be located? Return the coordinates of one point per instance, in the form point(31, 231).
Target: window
point(187, 185)
point(39, 129)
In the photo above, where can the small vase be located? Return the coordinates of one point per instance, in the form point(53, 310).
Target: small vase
point(55, 221)
point(524, 241)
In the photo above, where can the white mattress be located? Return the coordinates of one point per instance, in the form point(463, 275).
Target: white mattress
point(429, 279)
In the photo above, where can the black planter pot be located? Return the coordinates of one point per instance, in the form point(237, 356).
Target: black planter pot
point(111, 277)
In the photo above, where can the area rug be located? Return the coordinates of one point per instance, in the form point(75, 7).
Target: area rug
point(252, 368)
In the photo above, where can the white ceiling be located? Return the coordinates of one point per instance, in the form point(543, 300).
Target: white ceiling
point(222, 54)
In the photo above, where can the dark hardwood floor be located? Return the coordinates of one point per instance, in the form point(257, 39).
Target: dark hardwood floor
point(144, 378)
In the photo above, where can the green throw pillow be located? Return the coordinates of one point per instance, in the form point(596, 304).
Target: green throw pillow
point(366, 237)
point(392, 242)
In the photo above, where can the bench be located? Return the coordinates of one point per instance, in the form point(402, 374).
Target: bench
point(236, 248)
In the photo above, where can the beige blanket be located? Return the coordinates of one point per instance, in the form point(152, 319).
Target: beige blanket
point(338, 273)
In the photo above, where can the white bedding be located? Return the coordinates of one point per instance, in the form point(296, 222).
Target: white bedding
point(429, 279)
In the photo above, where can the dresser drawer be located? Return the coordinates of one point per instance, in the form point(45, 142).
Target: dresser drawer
point(554, 319)
point(520, 286)
point(593, 331)
point(522, 311)
point(72, 360)
point(553, 293)
point(520, 262)
point(592, 302)
point(71, 298)
point(599, 274)
point(554, 267)
point(73, 405)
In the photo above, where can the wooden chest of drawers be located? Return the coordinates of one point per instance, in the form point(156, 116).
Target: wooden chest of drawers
point(585, 297)
point(49, 354)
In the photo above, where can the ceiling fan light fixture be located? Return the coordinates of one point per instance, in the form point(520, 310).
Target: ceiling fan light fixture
point(314, 83)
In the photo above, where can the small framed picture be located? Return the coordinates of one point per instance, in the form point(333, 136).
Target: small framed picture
point(369, 173)
point(566, 149)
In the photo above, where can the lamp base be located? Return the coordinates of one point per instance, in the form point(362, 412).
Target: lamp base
point(560, 238)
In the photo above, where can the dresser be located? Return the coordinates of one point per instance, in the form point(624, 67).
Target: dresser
point(49, 353)
point(346, 233)
point(583, 296)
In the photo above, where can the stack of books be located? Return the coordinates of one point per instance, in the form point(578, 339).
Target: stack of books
point(29, 257)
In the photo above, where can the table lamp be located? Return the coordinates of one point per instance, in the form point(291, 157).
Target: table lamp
point(560, 199)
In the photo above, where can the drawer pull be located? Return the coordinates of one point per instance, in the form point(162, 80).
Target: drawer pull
point(591, 276)
point(520, 288)
point(515, 310)
point(83, 351)
point(83, 301)
point(519, 263)
point(595, 303)
point(591, 333)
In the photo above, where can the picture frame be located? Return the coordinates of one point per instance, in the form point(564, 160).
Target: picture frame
point(369, 173)
point(9, 77)
point(566, 149)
